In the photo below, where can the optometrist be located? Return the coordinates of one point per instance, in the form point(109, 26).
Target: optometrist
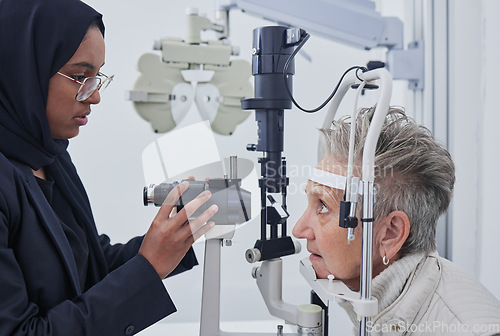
point(57, 275)
point(416, 289)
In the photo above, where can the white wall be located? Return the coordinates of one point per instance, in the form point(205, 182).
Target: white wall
point(465, 107)
point(490, 158)
point(474, 54)
point(108, 151)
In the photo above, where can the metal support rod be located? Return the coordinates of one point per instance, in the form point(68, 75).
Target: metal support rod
point(283, 195)
point(274, 231)
point(210, 299)
point(233, 167)
point(263, 214)
point(367, 250)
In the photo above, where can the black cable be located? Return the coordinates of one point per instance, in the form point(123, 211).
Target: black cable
point(287, 64)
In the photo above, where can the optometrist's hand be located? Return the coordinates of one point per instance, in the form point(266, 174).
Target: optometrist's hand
point(171, 234)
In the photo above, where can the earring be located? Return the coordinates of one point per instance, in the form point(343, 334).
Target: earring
point(385, 260)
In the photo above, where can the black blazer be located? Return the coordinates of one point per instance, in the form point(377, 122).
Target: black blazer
point(40, 293)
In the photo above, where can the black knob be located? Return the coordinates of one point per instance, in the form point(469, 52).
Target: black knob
point(145, 196)
point(251, 147)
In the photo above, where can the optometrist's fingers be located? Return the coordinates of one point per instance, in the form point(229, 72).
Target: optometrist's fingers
point(195, 224)
point(169, 238)
point(173, 212)
point(188, 210)
point(169, 202)
point(201, 231)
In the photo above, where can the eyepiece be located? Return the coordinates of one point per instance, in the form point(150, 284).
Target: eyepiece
point(148, 194)
point(145, 196)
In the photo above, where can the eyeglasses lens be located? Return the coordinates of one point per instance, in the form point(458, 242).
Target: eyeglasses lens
point(89, 86)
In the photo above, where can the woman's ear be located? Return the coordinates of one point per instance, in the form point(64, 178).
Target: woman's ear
point(393, 231)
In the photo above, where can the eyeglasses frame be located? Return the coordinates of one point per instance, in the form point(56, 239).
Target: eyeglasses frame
point(107, 79)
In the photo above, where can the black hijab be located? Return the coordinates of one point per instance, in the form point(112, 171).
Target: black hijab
point(37, 38)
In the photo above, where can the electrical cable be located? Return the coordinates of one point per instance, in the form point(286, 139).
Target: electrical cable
point(285, 69)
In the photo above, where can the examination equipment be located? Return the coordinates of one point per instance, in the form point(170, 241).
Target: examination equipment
point(194, 70)
point(351, 22)
point(273, 48)
point(272, 67)
point(190, 71)
point(234, 202)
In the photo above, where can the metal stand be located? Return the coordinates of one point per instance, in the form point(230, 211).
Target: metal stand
point(331, 291)
point(269, 280)
point(210, 299)
point(367, 251)
point(210, 302)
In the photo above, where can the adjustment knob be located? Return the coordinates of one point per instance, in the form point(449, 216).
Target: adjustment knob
point(253, 255)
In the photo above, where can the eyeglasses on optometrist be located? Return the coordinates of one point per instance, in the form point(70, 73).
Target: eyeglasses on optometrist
point(89, 85)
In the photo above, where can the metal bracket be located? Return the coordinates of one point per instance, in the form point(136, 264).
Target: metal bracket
point(408, 64)
point(329, 290)
point(150, 97)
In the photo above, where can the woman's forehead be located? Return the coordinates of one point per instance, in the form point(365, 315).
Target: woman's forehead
point(332, 165)
point(90, 54)
point(317, 189)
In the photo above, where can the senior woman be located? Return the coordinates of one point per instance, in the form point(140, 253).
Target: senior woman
point(417, 290)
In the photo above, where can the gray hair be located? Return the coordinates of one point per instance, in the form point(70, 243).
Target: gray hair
point(413, 172)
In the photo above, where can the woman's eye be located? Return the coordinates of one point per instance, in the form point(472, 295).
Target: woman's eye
point(324, 208)
point(79, 78)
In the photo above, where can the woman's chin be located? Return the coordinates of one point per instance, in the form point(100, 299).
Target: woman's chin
point(319, 266)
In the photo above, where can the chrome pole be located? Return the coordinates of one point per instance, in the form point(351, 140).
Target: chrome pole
point(367, 251)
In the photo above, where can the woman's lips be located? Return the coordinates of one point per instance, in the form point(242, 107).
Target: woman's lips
point(315, 257)
point(82, 119)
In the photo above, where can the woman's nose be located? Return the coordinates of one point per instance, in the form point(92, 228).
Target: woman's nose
point(302, 228)
point(95, 98)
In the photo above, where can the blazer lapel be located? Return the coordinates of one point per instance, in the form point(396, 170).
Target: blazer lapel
point(51, 222)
